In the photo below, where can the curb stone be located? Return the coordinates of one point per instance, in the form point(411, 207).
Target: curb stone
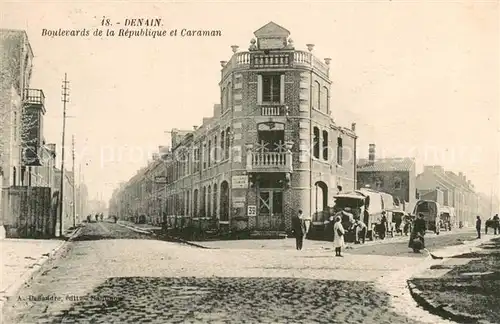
point(33, 270)
point(444, 310)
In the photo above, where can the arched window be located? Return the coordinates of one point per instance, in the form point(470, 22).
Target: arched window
point(325, 145)
point(324, 100)
point(316, 95)
point(316, 142)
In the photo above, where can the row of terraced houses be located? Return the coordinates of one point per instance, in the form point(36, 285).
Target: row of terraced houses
point(270, 149)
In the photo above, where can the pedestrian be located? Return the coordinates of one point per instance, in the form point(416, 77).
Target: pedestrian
point(478, 226)
point(299, 229)
point(496, 224)
point(338, 236)
point(419, 228)
point(383, 225)
point(307, 222)
point(361, 230)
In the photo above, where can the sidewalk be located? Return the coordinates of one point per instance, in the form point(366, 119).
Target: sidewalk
point(22, 258)
point(464, 288)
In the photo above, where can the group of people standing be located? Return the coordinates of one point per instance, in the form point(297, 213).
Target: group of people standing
point(302, 223)
point(97, 217)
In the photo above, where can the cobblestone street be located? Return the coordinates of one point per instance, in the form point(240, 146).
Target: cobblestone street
point(102, 279)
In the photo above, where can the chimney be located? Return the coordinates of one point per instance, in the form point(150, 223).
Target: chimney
point(371, 153)
point(353, 127)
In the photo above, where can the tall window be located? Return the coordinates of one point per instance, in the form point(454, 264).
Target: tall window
point(222, 145)
point(229, 99)
point(224, 99)
point(15, 126)
point(228, 130)
point(195, 203)
point(209, 202)
point(325, 145)
point(315, 95)
point(216, 156)
point(188, 201)
point(339, 151)
point(324, 100)
point(204, 156)
point(215, 201)
point(316, 142)
point(271, 88)
point(317, 98)
point(209, 153)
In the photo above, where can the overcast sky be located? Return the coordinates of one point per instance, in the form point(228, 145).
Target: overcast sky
point(419, 78)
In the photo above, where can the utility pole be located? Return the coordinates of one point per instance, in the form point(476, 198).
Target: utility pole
point(65, 100)
point(74, 179)
point(80, 200)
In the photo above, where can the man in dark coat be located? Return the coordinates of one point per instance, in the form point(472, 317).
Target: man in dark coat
point(299, 229)
point(478, 227)
point(419, 228)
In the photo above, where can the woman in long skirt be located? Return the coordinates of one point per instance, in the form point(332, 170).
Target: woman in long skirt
point(338, 236)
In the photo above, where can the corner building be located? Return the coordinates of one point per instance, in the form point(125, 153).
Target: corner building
point(270, 149)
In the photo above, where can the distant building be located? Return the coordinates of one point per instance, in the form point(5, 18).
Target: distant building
point(395, 176)
point(271, 147)
point(458, 192)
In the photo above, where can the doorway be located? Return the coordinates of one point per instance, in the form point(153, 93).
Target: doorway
point(270, 210)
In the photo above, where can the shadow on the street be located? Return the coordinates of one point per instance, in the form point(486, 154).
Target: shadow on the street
point(229, 300)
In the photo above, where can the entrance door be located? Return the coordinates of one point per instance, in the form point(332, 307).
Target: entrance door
point(270, 210)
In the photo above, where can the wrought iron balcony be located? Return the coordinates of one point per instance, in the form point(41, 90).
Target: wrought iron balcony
point(34, 97)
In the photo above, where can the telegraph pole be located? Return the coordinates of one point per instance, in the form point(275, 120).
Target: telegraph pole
point(65, 100)
point(74, 179)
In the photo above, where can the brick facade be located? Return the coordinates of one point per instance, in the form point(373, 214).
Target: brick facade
point(300, 110)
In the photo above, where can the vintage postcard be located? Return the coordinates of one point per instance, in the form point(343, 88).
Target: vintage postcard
point(249, 161)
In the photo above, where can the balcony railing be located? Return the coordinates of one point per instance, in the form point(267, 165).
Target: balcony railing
point(34, 96)
point(273, 110)
point(274, 159)
point(269, 161)
point(273, 60)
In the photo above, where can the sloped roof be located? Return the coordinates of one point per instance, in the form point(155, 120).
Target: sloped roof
point(386, 165)
point(271, 29)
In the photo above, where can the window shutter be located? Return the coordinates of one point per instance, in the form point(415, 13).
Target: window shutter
point(259, 89)
point(282, 89)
